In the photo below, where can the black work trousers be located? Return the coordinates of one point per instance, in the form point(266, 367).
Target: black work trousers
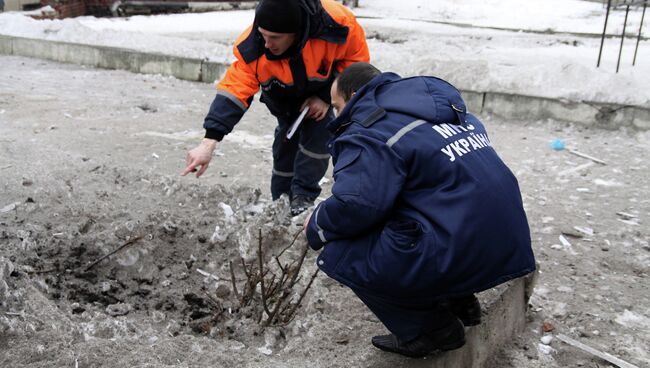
point(300, 163)
point(410, 320)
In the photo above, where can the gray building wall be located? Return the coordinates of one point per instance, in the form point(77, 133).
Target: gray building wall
point(17, 5)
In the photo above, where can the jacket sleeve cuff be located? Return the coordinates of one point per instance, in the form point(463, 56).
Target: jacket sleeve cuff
point(214, 134)
point(324, 94)
point(315, 236)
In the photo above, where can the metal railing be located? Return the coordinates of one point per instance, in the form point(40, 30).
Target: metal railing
point(618, 5)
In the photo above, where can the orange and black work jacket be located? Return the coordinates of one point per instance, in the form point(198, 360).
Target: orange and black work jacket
point(331, 40)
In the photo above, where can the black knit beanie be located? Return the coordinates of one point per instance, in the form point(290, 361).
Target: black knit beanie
point(280, 16)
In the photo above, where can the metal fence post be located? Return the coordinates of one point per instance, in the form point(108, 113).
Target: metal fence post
point(638, 38)
point(602, 40)
point(620, 51)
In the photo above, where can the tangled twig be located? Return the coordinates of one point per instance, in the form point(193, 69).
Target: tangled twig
point(276, 291)
point(132, 241)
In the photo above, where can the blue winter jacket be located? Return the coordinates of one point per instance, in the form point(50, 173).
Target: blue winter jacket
point(422, 206)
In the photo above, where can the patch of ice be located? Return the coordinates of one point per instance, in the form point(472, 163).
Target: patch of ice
point(128, 257)
point(248, 140)
point(541, 291)
point(264, 350)
point(631, 319)
point(186, 135)
point(633, 222)
point(608, 183)
point(9, 207)
point(217, 237)
point(567, 245)
point(545, 349)
point(229, 214)
point(119, 309)
point(585, 230)
point(236, 345)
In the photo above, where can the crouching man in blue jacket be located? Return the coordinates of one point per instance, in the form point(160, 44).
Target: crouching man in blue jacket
point(423, 212)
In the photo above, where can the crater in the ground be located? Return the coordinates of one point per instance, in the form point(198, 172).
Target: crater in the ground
point(168, 252)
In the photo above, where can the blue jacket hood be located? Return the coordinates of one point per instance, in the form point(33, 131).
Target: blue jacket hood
point(426, 98)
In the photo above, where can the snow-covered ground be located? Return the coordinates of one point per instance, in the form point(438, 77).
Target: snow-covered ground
point(551, 15)
point(420, 37)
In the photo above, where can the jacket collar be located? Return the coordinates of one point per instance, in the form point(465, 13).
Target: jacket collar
point(362, 108)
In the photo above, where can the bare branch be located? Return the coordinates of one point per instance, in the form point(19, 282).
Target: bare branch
point(302, 295)
point(270, 290)
point(272, 315)
point(277, 289)
point(280, 264)
point(260, 257)
point(132, 241)
point(213, 300)
point(295, 237)
point(243, 263)
point(234, 284)
point(301, 260)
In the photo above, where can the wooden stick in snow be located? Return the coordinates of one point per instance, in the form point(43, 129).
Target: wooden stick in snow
point(113, 252)
point(608, 357)
point(584, 155)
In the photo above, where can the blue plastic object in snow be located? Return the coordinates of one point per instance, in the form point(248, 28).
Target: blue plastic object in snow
point(558, 145)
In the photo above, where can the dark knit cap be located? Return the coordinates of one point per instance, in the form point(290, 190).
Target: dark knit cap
point(280, 16)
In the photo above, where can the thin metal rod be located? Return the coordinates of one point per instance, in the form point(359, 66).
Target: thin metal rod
point(602, 40)
point(638, 38)
point(620, 51)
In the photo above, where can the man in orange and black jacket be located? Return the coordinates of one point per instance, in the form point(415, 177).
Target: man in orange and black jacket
point(293, 50)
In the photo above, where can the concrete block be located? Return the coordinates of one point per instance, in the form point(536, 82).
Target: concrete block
point(106, 57)
point(473, 101)
point(24, 47)
point(611, 116)
point(212, 71)
point(57, 51)
point(179, 67)
point(511, 106)
point(6, 45)
point(641, 118)
point(114, 58)
point(602, 115)
point(533, 108)
point(74, 53)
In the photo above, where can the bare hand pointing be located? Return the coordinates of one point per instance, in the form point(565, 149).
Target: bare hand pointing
point(199, 158)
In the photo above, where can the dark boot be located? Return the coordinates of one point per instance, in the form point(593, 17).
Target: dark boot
point(299, 204)
point(467, 308)
point(448, 338)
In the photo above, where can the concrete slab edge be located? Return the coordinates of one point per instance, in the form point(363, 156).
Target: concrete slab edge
point(506, 105)
point(599, 114)
point(502, 321)
point(106, 57)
